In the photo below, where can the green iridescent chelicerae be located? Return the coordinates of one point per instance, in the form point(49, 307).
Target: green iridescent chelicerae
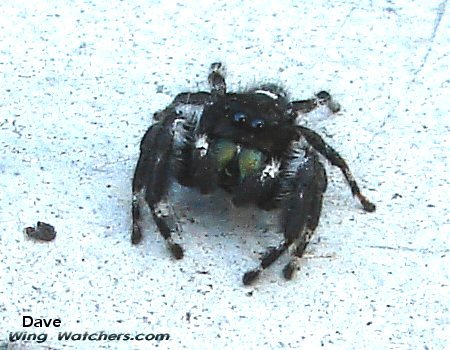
point(249, 160)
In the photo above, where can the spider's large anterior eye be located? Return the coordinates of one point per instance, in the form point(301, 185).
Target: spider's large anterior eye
point(257, 123)
point(240, 117)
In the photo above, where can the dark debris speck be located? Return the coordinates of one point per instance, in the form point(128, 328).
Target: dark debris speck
point(42, 232)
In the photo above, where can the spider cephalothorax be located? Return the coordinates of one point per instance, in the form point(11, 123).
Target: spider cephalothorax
point(249, 144)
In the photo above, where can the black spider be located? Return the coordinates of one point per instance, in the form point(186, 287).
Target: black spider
point(249, 144)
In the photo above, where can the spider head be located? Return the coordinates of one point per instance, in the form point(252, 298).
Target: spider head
point(257, 119)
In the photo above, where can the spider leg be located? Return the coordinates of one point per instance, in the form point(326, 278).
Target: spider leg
point(151, 180)
point(203, 165)
point(260, 188)
point(316, 141)
point(217, 80)
point(192, 98)
point(202, 98)
point(300, 214)
point(196, 99)
point(313, 215)
point(321, 98)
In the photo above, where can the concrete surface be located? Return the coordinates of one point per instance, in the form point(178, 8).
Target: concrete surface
point(80, 81)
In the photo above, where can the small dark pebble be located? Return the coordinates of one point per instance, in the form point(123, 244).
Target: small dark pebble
point(42, 232)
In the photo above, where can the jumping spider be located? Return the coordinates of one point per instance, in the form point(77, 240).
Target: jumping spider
point(251, 145)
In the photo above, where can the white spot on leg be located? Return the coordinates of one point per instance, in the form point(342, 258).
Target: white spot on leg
point(138, 197)
point(202, 145)
point(303, 238)
point(271, 170)
point(162, 209)
point(177, 127)
point(297, 157)
point(179, 132)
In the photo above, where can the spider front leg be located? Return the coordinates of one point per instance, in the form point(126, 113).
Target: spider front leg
point(301, 209)
point(260, 188)
point(151, 181)
point(218, 88)
point(316, 141)
point(321, 98)
point(216, 79)
point(318, 188)
point(193, 99)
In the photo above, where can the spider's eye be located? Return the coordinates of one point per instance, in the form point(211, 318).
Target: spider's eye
point(257, 123)
point(240, 117)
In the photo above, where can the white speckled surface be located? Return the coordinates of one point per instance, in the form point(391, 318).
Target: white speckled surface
point(79, 83)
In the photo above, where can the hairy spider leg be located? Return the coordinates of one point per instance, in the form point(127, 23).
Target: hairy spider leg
point(316, 141)
point(217, 84)
point(186, 98)
point(216, 80)
point(315, 208)
point(321, 98)
point(192, 98)
point(301, 206)
point(152, 179)
point(203, 168)
point(260, 188)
